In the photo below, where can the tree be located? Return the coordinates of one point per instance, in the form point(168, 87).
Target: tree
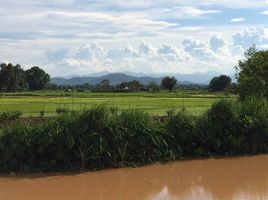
point(12, 78)
point(252, 73)
point(105, 84)
point(220, 83)
point(131, 86)
point(37, 78)
point(169, 83)
point(153, 86)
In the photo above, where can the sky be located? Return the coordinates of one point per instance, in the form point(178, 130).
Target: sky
point(80, 37)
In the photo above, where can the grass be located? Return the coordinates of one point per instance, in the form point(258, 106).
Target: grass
point(32, 103)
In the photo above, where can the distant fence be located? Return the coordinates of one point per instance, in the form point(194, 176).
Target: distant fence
point(156, 111)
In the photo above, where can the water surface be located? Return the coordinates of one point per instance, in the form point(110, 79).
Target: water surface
point(220, 179)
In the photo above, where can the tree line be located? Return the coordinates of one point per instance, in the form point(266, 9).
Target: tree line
point(14, 78)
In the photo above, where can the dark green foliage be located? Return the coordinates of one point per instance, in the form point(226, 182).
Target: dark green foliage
point(252, 74)
point(42, 113)
point(14, 79)
point(37, 78)
point(218, 128)
point(169, 83)
point(153, 87)
point(8, 116)
point(182, 130)
point(220, 83)
point(101, 138)
point(254, 124)
point(138, 139)
point(62, 110)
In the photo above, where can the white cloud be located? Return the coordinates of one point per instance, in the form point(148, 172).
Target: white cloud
point(218, 44)
point(191, 28)
point(90, 52)
point(251, 36)
point(118, 54)
point(239, 19)
point(264, 12)
point(147, 49)
point(172, 53)
point(195, 12)
point(182, 12)
point(198, 49)
point(217, 41)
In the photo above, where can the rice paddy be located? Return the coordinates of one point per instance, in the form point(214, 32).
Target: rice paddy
point(32, 103)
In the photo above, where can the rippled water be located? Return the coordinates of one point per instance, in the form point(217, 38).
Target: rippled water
point(221, 179)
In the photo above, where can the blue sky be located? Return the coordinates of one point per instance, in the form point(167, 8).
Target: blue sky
point(151, 36)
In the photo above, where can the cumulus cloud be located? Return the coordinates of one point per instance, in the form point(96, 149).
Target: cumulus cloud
point(198, 49)
point(166, 57)
point(118, 54)
point(251, 36)
point(146, 58)
point(172, 53)
point(89, 52)
point(146, 48)
point(217, 42)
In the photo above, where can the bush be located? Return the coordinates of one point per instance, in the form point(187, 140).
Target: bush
point(8, 116)
point(182, 130)
point(139, 140)
point(219, 127)
point(62, 110)
point(42, 113)
point(254, 125)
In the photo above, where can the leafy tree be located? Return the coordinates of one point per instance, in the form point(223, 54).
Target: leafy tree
point(37, 78)
point(12, 78)
point(135, 85)
point(105, 84)
point(153, 86)
point(131, 85)
point(169, 83)
point(252, 73)
point(220, 83)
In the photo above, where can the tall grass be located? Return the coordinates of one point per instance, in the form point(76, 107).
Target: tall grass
point(101, 137)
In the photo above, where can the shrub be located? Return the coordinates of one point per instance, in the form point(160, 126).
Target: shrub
point(138, 140)
point(218, 128)
point(254, 124)
point(62, 110)
point(182, 130)
point(42, 113)
point(12, 115)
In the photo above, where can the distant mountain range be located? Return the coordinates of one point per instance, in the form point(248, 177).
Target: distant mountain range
point(117, 78)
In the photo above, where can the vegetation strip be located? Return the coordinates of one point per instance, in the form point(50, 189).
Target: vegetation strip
point(102, 138)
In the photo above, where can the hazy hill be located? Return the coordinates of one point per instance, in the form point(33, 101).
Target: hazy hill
point(116, 78)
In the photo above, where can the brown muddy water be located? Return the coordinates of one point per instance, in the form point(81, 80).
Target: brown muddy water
point(221, 179)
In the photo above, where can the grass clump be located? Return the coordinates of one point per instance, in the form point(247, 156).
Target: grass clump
point(10, 116)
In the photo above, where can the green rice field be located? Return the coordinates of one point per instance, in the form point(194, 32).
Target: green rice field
point(31, 103)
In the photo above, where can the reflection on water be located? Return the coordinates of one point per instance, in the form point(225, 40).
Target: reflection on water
point(222, 179)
